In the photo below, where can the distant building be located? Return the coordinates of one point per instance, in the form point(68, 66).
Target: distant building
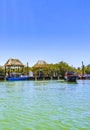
point(11, 64)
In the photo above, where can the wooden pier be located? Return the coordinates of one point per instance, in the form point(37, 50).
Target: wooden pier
point(43, 78)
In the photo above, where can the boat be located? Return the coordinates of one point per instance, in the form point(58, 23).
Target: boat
point(17, 78)
point(70, 76)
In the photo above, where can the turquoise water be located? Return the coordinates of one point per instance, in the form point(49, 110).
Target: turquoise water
point(45, 105)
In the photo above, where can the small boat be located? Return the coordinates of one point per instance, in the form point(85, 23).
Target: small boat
point(17, 78)
point(70, 76)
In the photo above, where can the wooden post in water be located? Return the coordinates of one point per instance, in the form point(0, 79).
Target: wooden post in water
point(82, 69)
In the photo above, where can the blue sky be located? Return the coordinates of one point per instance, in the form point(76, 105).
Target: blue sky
point(50, 30)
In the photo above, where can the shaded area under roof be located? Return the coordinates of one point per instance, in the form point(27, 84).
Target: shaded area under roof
point(13, 62)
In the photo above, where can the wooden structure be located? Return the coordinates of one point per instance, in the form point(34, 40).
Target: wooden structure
point(40, 63)
point(11, 63)
point(39, 68)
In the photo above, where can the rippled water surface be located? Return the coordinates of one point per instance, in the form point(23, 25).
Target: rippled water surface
point(45, 105)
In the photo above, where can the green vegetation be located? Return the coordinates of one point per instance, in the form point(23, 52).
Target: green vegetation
point(57, 69)
point(2, 71)
point(87, 69)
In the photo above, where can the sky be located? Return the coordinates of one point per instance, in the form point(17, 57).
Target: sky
point(49, 30)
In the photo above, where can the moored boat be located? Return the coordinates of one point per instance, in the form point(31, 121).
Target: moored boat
point(17, 78)
point(70, 76)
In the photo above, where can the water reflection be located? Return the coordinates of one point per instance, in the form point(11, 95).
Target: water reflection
point(14, 83)
point(41, 83)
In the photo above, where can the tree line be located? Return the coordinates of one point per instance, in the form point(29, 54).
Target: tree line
point(57, 69)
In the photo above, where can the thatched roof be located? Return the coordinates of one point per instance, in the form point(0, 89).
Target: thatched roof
point(13, 62)
point(41, 63)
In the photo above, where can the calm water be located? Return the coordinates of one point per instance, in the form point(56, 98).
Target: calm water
point(45, 105)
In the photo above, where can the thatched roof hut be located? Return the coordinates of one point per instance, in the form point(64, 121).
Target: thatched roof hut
point(14, 63)
point(40, 63)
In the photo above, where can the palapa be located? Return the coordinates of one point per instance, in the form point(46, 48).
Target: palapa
point(40, 63)
point(13, 62)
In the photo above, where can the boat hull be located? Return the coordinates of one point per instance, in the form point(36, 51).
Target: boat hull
point(17, 78)
point(71, 78)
